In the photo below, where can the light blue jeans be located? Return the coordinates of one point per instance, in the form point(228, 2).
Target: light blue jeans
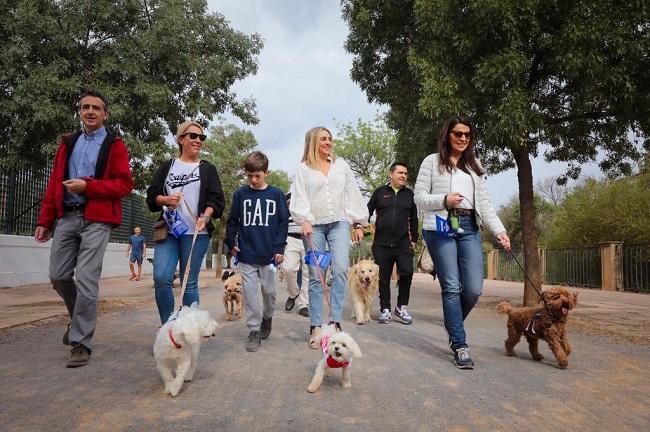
point(459, 264)
point(336, 237)
point(165, 258)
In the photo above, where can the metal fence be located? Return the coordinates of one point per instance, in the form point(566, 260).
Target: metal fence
point(20, 197)
point(508, 268)
point(636, 268)
point(575, 267)
point(20, 202)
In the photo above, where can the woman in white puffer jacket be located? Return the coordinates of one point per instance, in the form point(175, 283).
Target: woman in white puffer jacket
point(451, 185)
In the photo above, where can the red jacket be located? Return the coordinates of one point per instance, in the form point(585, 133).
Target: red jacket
point(104, 191)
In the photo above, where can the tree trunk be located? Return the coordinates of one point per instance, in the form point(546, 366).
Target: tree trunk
point(528, 228)
point(219, 251)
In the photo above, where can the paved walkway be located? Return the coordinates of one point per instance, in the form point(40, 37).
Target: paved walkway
point(405, 381)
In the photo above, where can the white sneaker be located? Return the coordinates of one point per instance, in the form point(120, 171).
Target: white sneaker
point(385, 316)
point(403, 315)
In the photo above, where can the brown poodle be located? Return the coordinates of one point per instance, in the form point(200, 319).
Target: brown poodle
point(537, 323)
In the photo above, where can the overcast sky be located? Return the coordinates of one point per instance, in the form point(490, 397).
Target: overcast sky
point(304, 81)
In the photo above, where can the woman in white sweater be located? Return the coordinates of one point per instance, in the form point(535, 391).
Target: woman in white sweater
point(451, 193)
point(325, 202)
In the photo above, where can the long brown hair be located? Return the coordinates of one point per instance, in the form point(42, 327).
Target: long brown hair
point(467, 160)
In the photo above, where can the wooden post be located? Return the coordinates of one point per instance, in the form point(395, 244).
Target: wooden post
point(611, 266)
point(542, 262)
point(492, 256)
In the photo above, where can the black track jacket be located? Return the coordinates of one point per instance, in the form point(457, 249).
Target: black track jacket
point(397, 216)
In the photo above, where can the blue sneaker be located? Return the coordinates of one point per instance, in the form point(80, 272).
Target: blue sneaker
point(384, 316)
point(403, 315)
point(462, 359)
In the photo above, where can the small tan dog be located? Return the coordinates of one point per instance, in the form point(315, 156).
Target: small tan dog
point(537, 323)
point(338, 351)
point(233, 297)
point(363, 283)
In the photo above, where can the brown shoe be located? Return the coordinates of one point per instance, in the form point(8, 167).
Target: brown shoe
point(79, 356)
point(313, 334)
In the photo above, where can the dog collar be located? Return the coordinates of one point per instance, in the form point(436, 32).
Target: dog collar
point(171, 338)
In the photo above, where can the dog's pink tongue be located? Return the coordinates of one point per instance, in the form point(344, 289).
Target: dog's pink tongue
point(565, 311)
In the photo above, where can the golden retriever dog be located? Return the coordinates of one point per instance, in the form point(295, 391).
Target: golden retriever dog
point(233, 297)
point(363, 284)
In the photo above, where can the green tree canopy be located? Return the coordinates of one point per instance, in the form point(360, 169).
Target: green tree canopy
point(603, 210)
point(279, 179)
point(159, 62)
point(570, 78)
point(369, 149)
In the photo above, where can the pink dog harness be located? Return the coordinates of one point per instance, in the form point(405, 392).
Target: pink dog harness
point(331, 361)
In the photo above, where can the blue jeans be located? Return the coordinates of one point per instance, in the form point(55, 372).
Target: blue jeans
point(459, 263)
point(165, 259)
point(336, 236)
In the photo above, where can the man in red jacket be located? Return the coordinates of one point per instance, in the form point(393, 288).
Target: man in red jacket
point(89, 177)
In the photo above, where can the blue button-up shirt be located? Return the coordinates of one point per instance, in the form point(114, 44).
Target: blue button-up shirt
point(83, 161)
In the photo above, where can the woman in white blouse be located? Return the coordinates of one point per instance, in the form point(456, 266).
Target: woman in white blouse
point(451, 183)
point(325, 202)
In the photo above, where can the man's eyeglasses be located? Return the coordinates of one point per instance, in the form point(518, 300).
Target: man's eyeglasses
point(459, 134)
point(194, 135)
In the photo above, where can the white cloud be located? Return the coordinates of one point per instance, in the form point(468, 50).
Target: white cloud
point(304, 73)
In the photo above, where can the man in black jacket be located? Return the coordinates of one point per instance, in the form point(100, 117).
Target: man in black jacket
point(396, 234)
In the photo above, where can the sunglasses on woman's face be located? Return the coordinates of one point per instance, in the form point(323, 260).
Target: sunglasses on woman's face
point(194, 135)
point(459, 134)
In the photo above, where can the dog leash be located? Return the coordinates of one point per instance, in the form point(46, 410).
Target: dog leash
point(548, 309)
point(188, 264)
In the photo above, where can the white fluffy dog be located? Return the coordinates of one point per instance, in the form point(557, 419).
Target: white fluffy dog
point(177, 346)
point(363, 284)
point(338, 351)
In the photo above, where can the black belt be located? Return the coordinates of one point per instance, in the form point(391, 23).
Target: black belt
point(74, 207)
point(294, 235)
point(461, 212)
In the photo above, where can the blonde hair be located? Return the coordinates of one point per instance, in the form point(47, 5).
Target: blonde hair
point(310, 155)
point(182, 129)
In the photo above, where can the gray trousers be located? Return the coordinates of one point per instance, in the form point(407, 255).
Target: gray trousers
point(253, 276)
point(79, 244)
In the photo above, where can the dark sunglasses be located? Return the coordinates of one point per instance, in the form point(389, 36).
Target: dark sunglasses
point(194, 135)
point(459, 134)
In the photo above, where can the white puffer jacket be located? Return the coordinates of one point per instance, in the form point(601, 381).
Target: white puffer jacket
point(431, 187)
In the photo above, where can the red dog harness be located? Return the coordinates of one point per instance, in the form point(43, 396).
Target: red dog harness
point(331, 361)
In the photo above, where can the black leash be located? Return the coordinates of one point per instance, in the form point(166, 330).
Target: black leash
point(512, 255)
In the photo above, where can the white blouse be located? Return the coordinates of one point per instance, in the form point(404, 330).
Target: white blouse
point(322, 199)
point(464, 184)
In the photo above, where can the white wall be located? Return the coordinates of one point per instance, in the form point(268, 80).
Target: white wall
point(24, 261)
